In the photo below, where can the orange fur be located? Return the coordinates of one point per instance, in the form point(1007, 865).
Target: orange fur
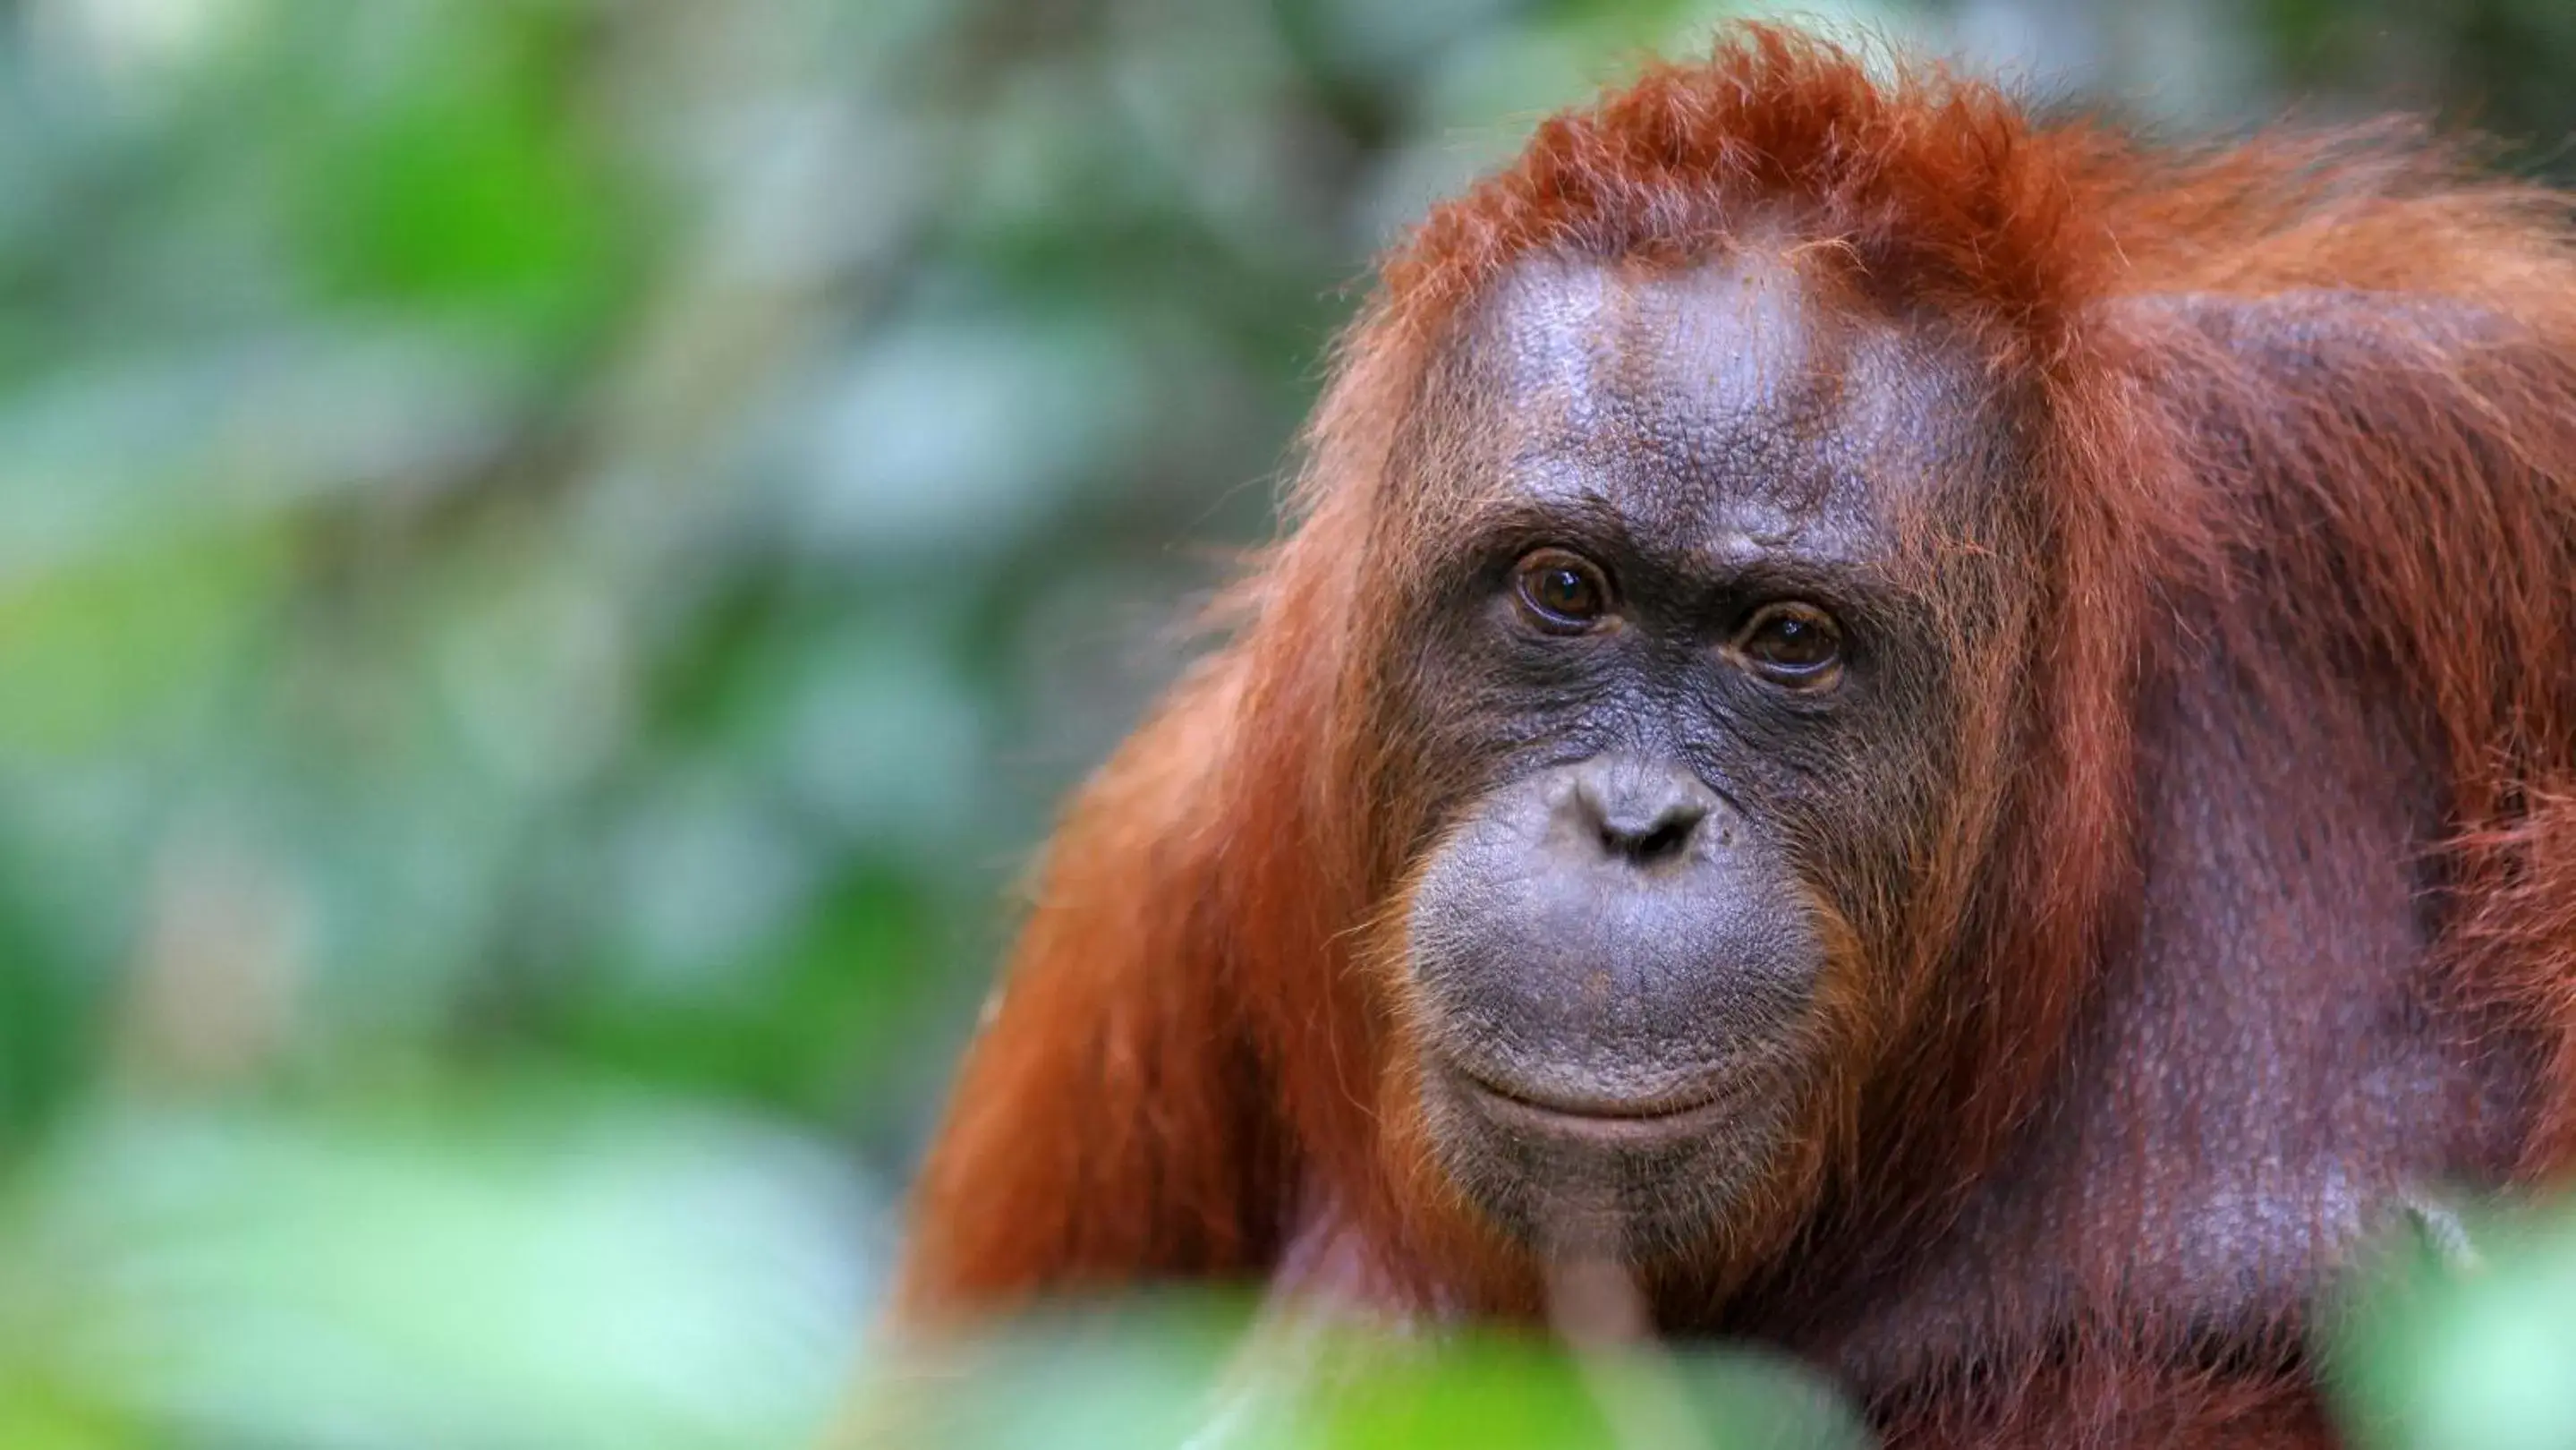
point(1199, 1043)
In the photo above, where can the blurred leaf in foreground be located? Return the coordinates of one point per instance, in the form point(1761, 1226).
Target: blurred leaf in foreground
point(517, 1273)
point(1190, 1375)
point(2465, 1338)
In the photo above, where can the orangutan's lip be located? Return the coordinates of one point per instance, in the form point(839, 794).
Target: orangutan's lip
point(1633, 1121)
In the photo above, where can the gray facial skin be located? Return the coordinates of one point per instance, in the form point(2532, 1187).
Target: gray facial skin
point(1615, 976)
point(1614, 947)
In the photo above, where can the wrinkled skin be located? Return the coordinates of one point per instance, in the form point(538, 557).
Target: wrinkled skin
point(1928, 739)
point(1618, 941)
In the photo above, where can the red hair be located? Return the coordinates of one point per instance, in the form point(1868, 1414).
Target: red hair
point(2436, 448)
point(2328, 380)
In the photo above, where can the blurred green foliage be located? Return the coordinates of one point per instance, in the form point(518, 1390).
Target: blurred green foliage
point(2464, 1336)
point(1213, 1376)
point(554, 559)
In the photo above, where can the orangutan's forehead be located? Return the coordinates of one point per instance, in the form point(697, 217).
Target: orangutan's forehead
point(1728, 399)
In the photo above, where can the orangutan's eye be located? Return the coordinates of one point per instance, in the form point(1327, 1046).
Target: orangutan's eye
point(1792, 644)
point(1560, 591)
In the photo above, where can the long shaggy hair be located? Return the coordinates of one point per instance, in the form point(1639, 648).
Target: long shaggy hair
point(2388, 484)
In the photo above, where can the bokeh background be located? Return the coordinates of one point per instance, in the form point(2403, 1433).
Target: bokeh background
point(555, 558)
